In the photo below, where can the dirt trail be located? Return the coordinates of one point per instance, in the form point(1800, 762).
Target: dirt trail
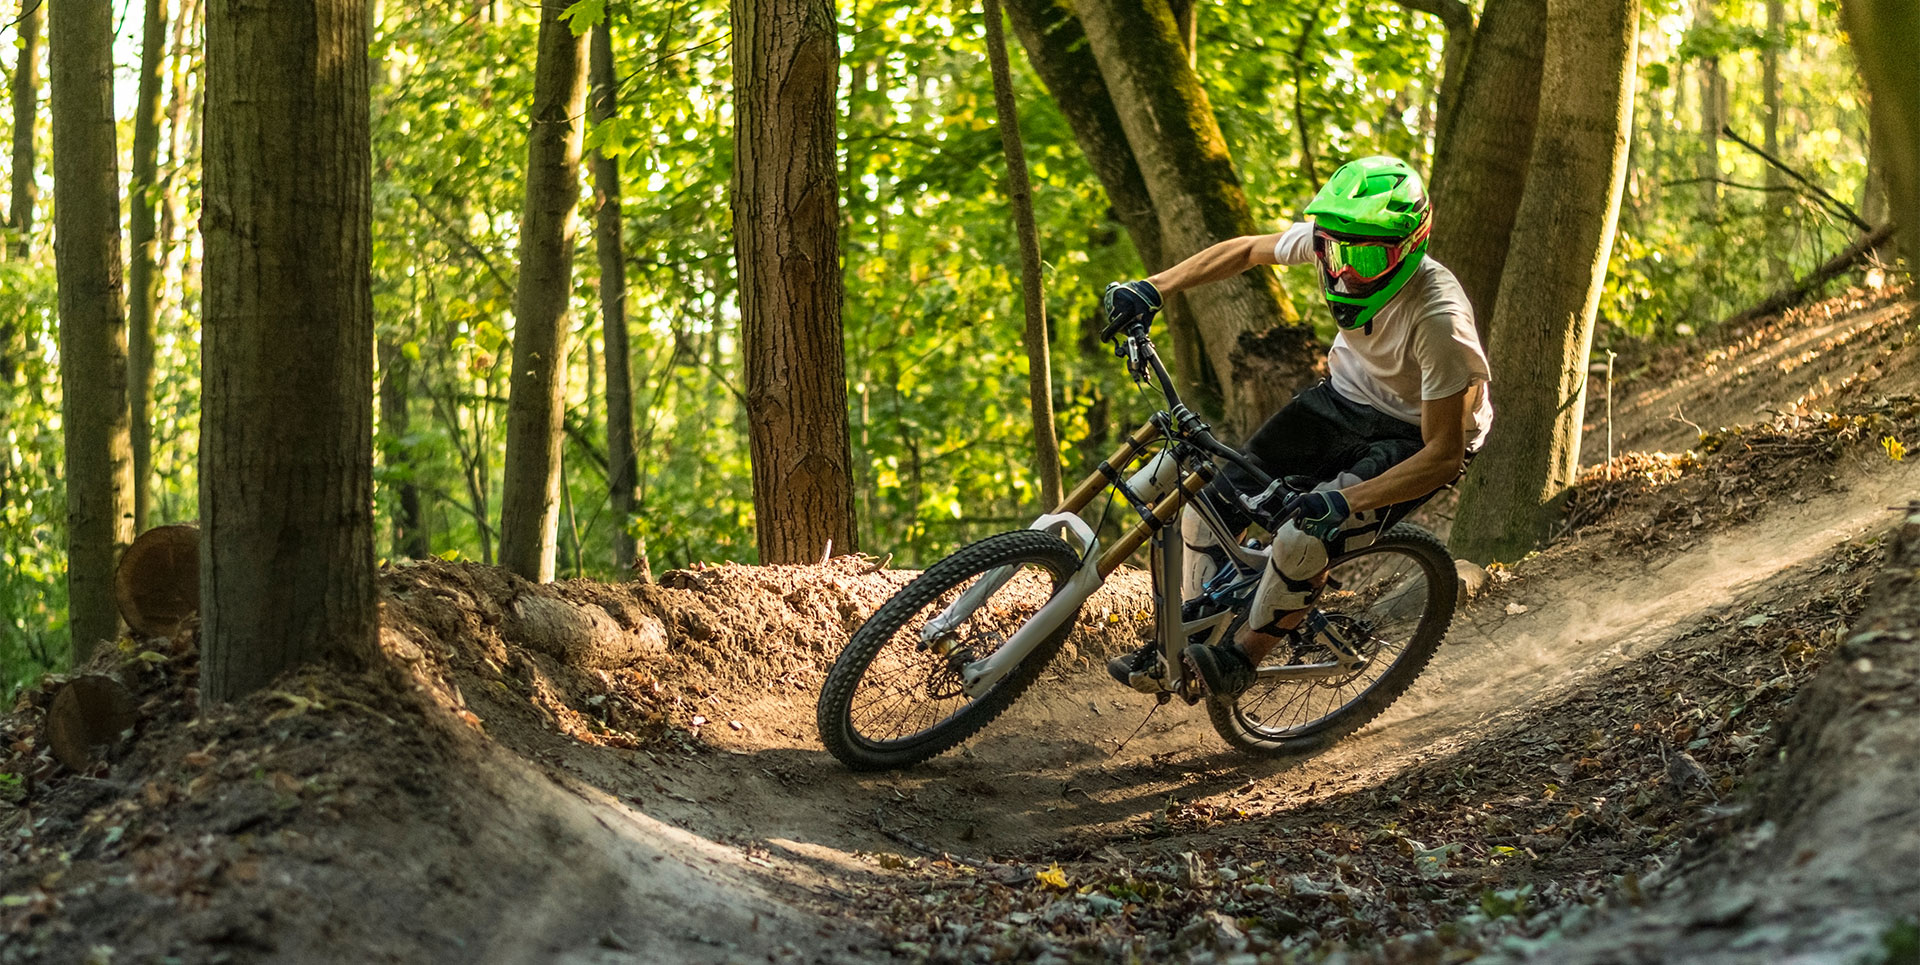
point(574, 817)
point(1041, 780)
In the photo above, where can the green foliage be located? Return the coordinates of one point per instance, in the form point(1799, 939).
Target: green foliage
point(935, 364)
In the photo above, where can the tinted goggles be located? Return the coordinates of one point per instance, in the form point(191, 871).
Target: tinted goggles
point(1363, 260)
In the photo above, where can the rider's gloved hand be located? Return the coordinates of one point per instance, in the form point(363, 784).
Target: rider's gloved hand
point(1128, 303)
point(1320, 513)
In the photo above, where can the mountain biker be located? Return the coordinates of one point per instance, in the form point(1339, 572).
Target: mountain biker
point(1405, 405)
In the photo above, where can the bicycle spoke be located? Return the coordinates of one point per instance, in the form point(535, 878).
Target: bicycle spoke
point(1375, 602)
point(907, 691)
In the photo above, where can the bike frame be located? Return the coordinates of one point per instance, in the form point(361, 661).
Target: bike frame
point(1158, 492)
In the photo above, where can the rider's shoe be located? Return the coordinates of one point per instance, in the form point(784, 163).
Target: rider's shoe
point(1225, 668)
point(1136, 669)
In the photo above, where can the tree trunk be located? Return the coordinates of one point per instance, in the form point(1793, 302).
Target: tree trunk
point(1197, 195)
point(143, 276)
point(25, 92)
point(1457, 17)
point(1885, 35)
point(286, 455)
point(623, 468)
point(1056, 46)
point(530, 492)
point(1545, 325)
point(786, 221)
point(410, 538)
point(93, 325)
point(1046, 446)
point(1480, 164)
point(1713, 115)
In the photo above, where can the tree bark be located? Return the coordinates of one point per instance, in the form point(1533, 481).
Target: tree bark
point(530, 490)
point(93, 324)
point(143, 276)
point(1544, 330)
point(25, 92)
point(623, 472)
point(1885, 35)
point(1046, 445)
point(1190, 176)
point(286, 430)
point(1481, 158)
point(786, 225)
point(1057, 48)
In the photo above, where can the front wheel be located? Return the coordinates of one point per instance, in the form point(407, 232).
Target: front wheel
point(893, 698)
point(1380, 618)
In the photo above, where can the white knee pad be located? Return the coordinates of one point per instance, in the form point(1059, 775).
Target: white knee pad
point(1204, 555)
point(1286, 584)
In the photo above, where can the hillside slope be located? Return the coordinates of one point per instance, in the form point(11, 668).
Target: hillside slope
point(588, 773)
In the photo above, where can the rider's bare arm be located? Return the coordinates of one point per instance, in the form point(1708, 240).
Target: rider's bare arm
point(1224, 260)
point(1443, 427)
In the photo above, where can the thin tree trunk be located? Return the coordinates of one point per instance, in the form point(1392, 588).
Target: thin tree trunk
point(1713, 113)
point(1457, 17)
point(93, 324)
point(286, 455)
point(1544, 331)
point(410, 538)
point(1056, 46)
point(622, 461)
point(786, 242)
point(530, 493)
point(1481, 162)
point(1886, 33)
point(1196, 193)
point(25, 92)
point(1046, 446)
point(143, 276)
point(179, 106)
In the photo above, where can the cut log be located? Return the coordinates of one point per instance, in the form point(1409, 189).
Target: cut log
point(87, 713)
point(158, 580)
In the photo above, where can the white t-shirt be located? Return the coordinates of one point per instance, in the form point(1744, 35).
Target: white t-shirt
point(1424, 345)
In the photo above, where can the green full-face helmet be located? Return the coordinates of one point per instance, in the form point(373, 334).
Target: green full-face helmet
point(1370, 227)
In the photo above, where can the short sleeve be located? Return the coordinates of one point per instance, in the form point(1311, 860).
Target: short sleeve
point(1449, 361)
point(1295, 246)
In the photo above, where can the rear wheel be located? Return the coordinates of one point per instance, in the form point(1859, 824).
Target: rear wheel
point(892, 699)
point(1383, 613)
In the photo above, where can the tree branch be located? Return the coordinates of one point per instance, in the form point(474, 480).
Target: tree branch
point(1453, 13)
point(1845, 209)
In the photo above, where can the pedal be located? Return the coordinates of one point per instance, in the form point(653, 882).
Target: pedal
point(1148, 681)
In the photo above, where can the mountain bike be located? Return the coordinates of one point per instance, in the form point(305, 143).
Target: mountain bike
point(952, 649)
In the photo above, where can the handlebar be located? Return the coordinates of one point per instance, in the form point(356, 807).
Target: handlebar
point(1143, 362)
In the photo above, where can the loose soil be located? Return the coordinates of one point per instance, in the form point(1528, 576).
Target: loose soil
point(580, 772)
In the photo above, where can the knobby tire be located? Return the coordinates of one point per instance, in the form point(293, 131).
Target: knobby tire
point(834, 711)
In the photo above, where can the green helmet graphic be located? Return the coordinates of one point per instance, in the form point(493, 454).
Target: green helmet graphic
point(1371, 222)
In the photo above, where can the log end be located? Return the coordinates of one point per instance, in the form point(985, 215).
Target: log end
point(87, 713)
point(157, 582)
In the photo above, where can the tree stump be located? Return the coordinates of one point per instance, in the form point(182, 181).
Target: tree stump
point(158, 581)
point(87, 712)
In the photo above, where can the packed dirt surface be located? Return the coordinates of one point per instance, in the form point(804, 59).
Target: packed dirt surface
point(580, 772)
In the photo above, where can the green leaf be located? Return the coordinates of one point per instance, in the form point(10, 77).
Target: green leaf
point(582, 15)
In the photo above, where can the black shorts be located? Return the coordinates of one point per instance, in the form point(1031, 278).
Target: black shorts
point(1318, 436)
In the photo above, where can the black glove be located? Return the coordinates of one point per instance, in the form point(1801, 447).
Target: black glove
point(1320, 513)
point(1128, 303)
